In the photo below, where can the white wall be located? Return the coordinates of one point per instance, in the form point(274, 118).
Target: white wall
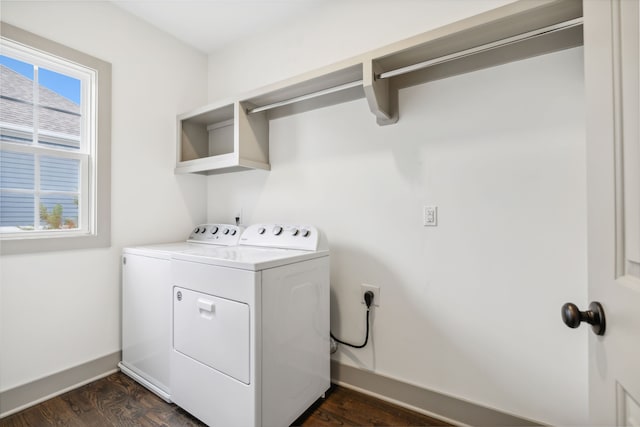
point(469, 308)
point(59, 310)
point(336, 30)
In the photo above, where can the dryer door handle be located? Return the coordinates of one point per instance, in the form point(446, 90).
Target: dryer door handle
point(205, 305)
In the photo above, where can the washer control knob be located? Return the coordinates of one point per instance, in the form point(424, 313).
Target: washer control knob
point(196, 230)
point(214, 230)
point(233, 232)
point(294, 232)
point(277, 230)
point(225, 231)
point(261, 230)
point(305, 232)
point(202, 230)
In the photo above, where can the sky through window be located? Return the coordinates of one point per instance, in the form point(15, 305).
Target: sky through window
point(66, 86)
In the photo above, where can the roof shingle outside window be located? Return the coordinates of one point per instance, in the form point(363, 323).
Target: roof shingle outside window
point(56, 113)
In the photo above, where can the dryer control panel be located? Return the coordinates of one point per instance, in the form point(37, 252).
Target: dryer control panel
point(216, 234)
point(286, 236)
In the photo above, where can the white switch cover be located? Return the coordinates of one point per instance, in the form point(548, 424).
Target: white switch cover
point(430, 216)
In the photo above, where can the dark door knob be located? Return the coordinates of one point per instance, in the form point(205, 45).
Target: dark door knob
point(572, 316)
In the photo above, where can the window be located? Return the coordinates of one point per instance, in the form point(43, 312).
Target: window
point(46, 143)
point(54, 145)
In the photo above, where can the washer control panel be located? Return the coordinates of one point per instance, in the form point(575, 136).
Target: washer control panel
point(216, 234)
point(286, 236)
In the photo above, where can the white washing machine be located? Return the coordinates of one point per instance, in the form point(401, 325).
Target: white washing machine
point(146, 304)
point(251, 327)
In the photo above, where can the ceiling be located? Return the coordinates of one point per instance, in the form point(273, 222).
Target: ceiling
point(209, 25)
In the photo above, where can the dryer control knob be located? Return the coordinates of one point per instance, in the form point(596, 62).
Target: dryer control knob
point(305, 233)
point(233, 232)
point(196, 230)
point(277, 230)
point(214, 229)
point(294, 232)
point(225, 231)
point(203, 229)
point(261, 230)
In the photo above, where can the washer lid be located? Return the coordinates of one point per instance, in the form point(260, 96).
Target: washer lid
point(247, 257)
point(163, 250)
point(203, 234)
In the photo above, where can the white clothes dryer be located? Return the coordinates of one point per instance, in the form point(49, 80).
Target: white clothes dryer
point(146, 304)
point(251, 327)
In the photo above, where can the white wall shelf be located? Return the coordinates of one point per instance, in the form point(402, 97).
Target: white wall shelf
point(519, 30)
point(222, 138)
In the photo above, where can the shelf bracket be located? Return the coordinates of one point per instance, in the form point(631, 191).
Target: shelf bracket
point(378, 94)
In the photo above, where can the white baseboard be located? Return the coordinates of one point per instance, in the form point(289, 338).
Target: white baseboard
point(446, 408)
point(26, 395)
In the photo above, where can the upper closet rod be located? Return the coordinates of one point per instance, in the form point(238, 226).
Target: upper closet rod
point(305, 97)
point(457, 55)
point(482, 48)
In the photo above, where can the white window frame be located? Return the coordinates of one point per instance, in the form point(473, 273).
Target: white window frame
point(87, 141)
point(94, 153)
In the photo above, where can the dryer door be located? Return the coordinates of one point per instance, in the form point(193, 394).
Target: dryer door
point(213, 331)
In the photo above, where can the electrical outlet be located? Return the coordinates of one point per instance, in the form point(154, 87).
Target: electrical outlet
point(430, 216)
point(376, 293)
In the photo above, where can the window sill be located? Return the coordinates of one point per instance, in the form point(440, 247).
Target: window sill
point(69, 242)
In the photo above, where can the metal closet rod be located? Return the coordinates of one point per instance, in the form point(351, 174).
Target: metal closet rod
point(482, 48)
point(305, 97)
point(421, 65)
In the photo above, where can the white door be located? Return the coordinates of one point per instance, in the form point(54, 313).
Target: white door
point(612, 49)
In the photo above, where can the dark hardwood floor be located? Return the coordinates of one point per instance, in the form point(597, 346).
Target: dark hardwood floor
point(119, 401)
